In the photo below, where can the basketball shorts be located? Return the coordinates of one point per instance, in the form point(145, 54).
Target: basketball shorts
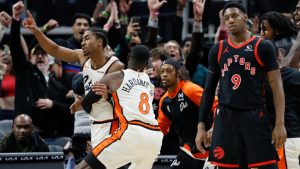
point(135, 144)
point(289, 155)
point(242, 135)
point(100, 130)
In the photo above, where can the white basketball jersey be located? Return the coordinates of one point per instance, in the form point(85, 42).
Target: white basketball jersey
point(133, 99)
point(101, 110)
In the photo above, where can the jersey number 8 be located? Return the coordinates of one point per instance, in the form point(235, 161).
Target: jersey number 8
point(144, 106)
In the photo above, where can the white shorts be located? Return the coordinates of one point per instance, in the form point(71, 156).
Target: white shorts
point(289, 157)
point(99, 131)
point(134, 144)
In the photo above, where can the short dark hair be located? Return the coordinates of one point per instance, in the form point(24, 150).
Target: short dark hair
point(99, 33)
point(37, 49)
point(234, 5)
point(84, 16)
point(140, 55)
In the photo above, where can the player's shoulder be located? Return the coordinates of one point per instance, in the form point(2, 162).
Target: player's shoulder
point(189, 88)
point(264, 43)
point(116, 66)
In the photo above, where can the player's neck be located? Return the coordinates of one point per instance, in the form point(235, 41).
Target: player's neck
point(173, 87)
point(240, 37)
point(98, 60)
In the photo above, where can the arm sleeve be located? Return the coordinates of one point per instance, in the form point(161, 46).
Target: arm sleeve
point(208, 97)
point(17, 53)
point(213, 59)
point(267, 54)
point(212, 80)
point(88, 100)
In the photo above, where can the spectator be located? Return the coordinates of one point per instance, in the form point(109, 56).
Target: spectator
point(7, 95)
point(43, 97)
point(81, 23)
point(23, 138)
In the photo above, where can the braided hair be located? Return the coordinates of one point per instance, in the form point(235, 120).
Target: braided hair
point(279, 23)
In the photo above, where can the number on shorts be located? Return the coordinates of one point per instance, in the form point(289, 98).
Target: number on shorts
point(236, 80)
point(144, 106)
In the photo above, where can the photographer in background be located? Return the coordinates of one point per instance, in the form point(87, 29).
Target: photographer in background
point(78, 148)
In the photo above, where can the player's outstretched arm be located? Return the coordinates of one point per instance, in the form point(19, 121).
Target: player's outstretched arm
point(49, 46)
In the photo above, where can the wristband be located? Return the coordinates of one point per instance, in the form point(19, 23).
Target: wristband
point(44, 28)
point(197, 27)
point(105, 14)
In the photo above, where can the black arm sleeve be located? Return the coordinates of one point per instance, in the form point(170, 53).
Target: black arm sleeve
point(17, 53)
point(88, 100)
point(195, 57)
point(212, 80)
point(208, 96)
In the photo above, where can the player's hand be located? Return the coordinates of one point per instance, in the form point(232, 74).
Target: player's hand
point(51, 24)
point(209, 137)
point(198, 9)
point(44, 103)
point(29, 23)
point(155, 5)
point(201, 137)
point(5, 19)
point(124, 6)
point(100, 89)
point(279, 135)
point(17, 10)
point(76, 106)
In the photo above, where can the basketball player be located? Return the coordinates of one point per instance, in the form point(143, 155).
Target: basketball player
point(95, 61)
point(138, 139)
point(241, 63)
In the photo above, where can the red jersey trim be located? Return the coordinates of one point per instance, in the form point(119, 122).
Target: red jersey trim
point(262, 163)
point(240, 45)
point(220, 50)
point(256, 53)
point(225, 165)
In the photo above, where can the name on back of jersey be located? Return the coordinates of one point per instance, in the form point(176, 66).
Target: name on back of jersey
point(134, 82)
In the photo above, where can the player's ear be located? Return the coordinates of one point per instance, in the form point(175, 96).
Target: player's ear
point(99, 42)
point(246, 17)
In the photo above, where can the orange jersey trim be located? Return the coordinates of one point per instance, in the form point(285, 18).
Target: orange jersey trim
point(145, 125)
point(282, 164)
point(118, 134)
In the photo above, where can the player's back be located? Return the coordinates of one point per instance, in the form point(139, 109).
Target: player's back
point(133, 99)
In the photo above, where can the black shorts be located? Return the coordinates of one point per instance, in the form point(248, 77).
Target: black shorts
point(242, 136)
